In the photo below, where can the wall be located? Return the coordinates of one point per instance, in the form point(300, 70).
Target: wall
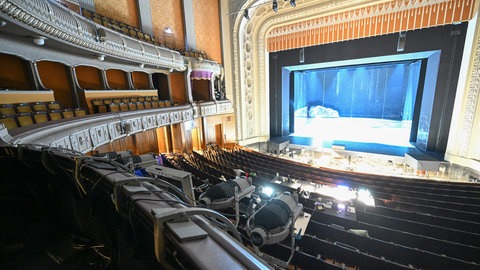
point(117, 79)
point(201, 90)
point(140, 80)
point(55, 76)
point(15, 73)
point(140, 143)
point(89, 77)
point(177, 84)
point(207, 28)
point(121, 10)
point(228, 126)
point(168, 13)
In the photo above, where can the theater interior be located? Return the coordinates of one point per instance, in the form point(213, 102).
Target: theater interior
point(240, 134)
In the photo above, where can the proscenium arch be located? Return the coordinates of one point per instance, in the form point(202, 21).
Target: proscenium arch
point(251, 87)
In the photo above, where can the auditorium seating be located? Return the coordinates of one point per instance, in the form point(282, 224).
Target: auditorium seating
point(26, 114)
point(121, 27)
point(9, 121)
point(415, 227)
point(128, 104)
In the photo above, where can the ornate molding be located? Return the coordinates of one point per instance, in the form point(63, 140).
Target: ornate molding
point(249, 50)
point(52, 20)
point(471, 103)
point(86, 134)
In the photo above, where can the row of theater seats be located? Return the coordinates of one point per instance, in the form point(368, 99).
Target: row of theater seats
point(128, 104)
point(435, 227)
point(26, 114)
point(120, 27)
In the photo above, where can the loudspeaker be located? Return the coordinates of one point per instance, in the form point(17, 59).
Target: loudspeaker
point(301, 55)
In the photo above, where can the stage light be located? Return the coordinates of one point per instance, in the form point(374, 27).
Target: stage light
point(221, 196)
point(268, 191)
point(275, 6)
point(245, 14)
point(275, 220)
point(341, 207)
point(365, 197)
point(292, 3)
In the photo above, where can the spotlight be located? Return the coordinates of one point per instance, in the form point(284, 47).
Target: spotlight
point(142, 65)
point(221, 196)
point(3, 23)
point(292, 3)
point(274, 221)
point(275, 6)
point(101, 57)
point(268, 191)
point(245, 14)
point(40, 41)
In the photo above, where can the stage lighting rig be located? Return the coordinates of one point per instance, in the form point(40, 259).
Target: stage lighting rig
point(226, 194)
point(274, 221)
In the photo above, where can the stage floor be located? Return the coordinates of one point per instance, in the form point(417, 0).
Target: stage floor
point(378, 136)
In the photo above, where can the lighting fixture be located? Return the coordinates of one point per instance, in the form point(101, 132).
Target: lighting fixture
point(39, 40)
point(168, 30)
point(275, 6)
point(3, 23)
point(245, 14)
point(141, 65)
point(101, 57)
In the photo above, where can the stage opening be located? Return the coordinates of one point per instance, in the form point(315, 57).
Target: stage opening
point(370, 103)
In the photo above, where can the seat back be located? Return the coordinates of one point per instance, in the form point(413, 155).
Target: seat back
point(9, 121)
point(68, 113)
point(55, 115)
point(23, 107)
point(24, 119)
point(40, 117)
point(53, 105)
point(7, 109)
point(40, 106)
point(82, 112)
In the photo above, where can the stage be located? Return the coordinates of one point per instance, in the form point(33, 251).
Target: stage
point(357, 144)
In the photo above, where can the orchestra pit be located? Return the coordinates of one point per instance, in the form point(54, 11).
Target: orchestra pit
point(239, 134)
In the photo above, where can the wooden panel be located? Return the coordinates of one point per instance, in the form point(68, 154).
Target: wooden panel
point(89, 77)
point(201, 90)
point(164, 139)
point(117, 79)
point(10, 97)
point(15, 73)
point(55, 76)
point(140, 80)
point(177, 84)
